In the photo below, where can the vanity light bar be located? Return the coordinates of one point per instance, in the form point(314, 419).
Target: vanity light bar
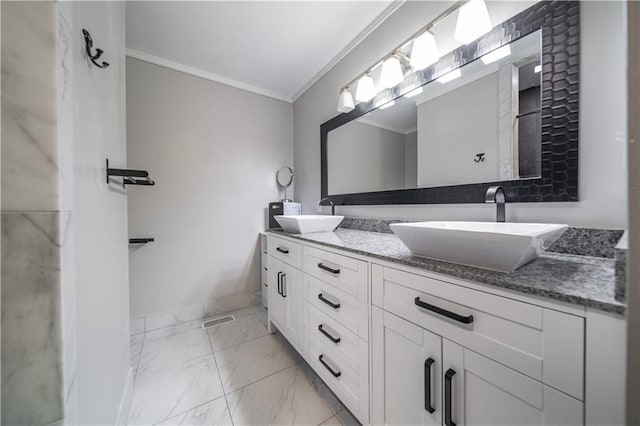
point(397, 54)
point(413, 93)
point(494, 55)
point(450, 76)
point(435, 21)
point(388, 105)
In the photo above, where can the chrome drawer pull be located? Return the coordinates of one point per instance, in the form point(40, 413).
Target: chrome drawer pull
point(443, 312)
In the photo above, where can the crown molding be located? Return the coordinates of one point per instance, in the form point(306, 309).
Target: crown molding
point(176, 66)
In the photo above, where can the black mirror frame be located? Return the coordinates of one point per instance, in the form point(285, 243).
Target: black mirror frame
point(559, 22)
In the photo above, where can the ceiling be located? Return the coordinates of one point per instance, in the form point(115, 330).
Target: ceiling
point(274, 48)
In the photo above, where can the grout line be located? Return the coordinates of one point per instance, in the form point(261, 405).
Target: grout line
point(190, 409)
point(329, 418)
point(174, 327)
point(200, 319)
point(262, 378)
point(175, 363)
point(310, 382)
point(241, 343)
point(224, 393)
point(135, 371)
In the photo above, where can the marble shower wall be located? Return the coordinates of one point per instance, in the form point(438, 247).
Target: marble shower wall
point(29, 107)
point(31, 312)
point(38, 291)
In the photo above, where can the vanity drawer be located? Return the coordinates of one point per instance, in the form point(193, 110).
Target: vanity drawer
point(341, 306)
point(285, 250)
point(345, 383)
point(344, 272)
point(541, 343)
point(344, 346)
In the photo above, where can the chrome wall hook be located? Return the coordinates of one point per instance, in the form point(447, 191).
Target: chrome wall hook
point(88, 45)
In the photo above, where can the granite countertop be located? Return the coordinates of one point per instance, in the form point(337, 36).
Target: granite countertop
point(581, 280)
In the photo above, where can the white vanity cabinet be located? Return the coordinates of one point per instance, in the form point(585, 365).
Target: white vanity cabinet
point(286, 293)
point(264, 269)
point(479, 391)
point(502, 361)
point(401, 345)
point(422, 378)
point(406, 370)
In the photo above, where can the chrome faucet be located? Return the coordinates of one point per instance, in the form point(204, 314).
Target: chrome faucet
point(495, 194)
point(333, 207)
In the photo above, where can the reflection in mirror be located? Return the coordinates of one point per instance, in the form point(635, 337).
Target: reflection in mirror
point(480, 123)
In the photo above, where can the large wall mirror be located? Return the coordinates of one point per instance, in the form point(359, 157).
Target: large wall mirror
point(507, 114)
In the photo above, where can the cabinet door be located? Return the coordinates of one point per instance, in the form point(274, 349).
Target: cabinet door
point(406, 372)
point(276, 301)
point(293, 297)
point(479, 391)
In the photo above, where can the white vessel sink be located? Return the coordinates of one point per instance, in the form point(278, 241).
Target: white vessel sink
point(302, 224)
point(491, 245)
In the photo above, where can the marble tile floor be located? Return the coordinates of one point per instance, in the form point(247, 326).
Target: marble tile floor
point(232, 374)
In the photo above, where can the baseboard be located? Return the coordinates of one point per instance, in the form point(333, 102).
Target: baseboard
point(125, 401)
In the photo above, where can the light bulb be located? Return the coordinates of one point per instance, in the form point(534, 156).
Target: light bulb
point(494, 55)
point(391, 74)
point(424, 51)
point(413, 93)
point(450, 76)
point(345, 102)
point(473, 21)
point(366, 89)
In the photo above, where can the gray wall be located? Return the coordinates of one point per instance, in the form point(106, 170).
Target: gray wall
point(453, 128)
point(213, 151)
point(101, 215)
point(364, 158)
point(602, 121)
point(411, 160)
